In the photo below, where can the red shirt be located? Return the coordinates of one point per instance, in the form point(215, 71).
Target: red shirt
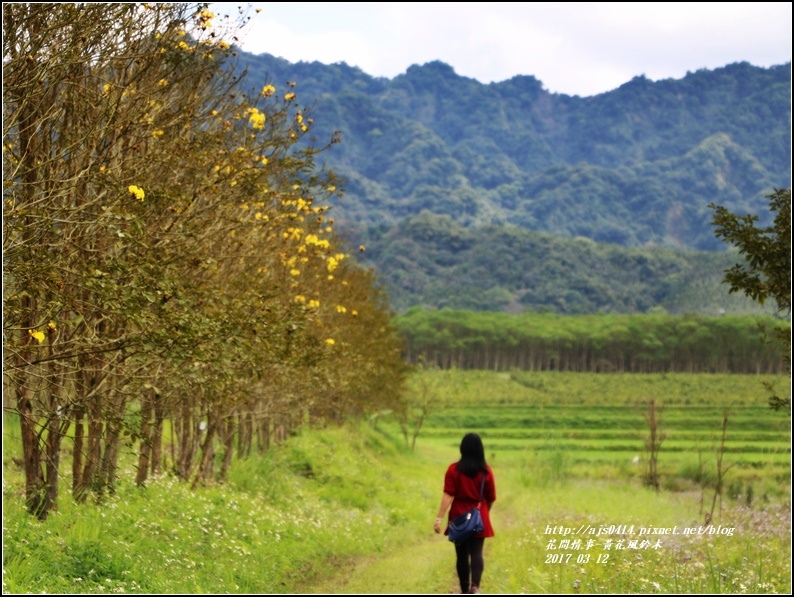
point(466, 491)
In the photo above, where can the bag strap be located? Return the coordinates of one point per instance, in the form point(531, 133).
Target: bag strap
point(482, 489)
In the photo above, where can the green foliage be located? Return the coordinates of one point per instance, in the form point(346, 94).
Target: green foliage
point(766, 272)
point(766, 251)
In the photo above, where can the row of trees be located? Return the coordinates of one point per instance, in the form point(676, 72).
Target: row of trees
point(595, 343)
point(167, 252)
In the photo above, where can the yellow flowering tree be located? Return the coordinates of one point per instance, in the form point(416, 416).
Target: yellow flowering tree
point(169, 256)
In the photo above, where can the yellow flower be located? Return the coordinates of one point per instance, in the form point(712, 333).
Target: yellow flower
point(51, 326)
point(223, 45)
point(290, 96)
point(331, 189)
point(268, 90)
point(314, 304)
point(300, 299)
point(257, 120)
point(354, 313)
point(361, 248)
point(162, 83)
point(157, 134)
point(37, 335)
point(106, 87)
point(183, 46)
point(137, 192)
point(264, 161)
point(341, 309)
point(330, 341)
point(295, 272)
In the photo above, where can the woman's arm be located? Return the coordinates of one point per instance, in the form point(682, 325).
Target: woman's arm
point(446, 502)
point(490, 489)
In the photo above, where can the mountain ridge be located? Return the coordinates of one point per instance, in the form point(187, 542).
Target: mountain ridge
point(637, 166)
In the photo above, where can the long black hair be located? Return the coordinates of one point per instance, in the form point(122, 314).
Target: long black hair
point(472, 456)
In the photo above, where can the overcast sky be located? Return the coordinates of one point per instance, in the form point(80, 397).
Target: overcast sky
point(572, 47)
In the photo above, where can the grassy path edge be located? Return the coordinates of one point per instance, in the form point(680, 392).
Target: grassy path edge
point(427, 566)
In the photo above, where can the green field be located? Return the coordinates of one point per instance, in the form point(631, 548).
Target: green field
point(350, 510)
point(595, 426)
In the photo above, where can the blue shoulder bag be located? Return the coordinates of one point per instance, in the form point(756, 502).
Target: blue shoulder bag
point(464, 527)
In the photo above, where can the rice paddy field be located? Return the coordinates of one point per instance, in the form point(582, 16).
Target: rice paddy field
point(591, 426)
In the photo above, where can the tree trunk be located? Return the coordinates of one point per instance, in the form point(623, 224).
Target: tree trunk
point(93, 410)
point(228, 442)
point(109, 462)
point(54, 435)
point(241, 436)
point(94, 453)
point(31, 449)
point(77, 454)
point(147, 407)
point(207, 451)
point(187, 441)
point(157, 434)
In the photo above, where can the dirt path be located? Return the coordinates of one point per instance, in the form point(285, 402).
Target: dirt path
point(426, 567)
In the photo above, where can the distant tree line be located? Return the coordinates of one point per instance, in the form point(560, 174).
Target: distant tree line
point(588, 343)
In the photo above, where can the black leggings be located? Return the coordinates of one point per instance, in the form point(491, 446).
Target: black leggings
point(470, 551)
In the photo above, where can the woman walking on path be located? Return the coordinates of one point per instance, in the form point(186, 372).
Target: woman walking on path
point(462, 485)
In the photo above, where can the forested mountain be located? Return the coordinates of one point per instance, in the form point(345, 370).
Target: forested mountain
point(633, 166)
point(432, 261)
point(637, 167)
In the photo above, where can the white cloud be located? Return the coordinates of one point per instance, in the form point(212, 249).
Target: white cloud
point(572, 47)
